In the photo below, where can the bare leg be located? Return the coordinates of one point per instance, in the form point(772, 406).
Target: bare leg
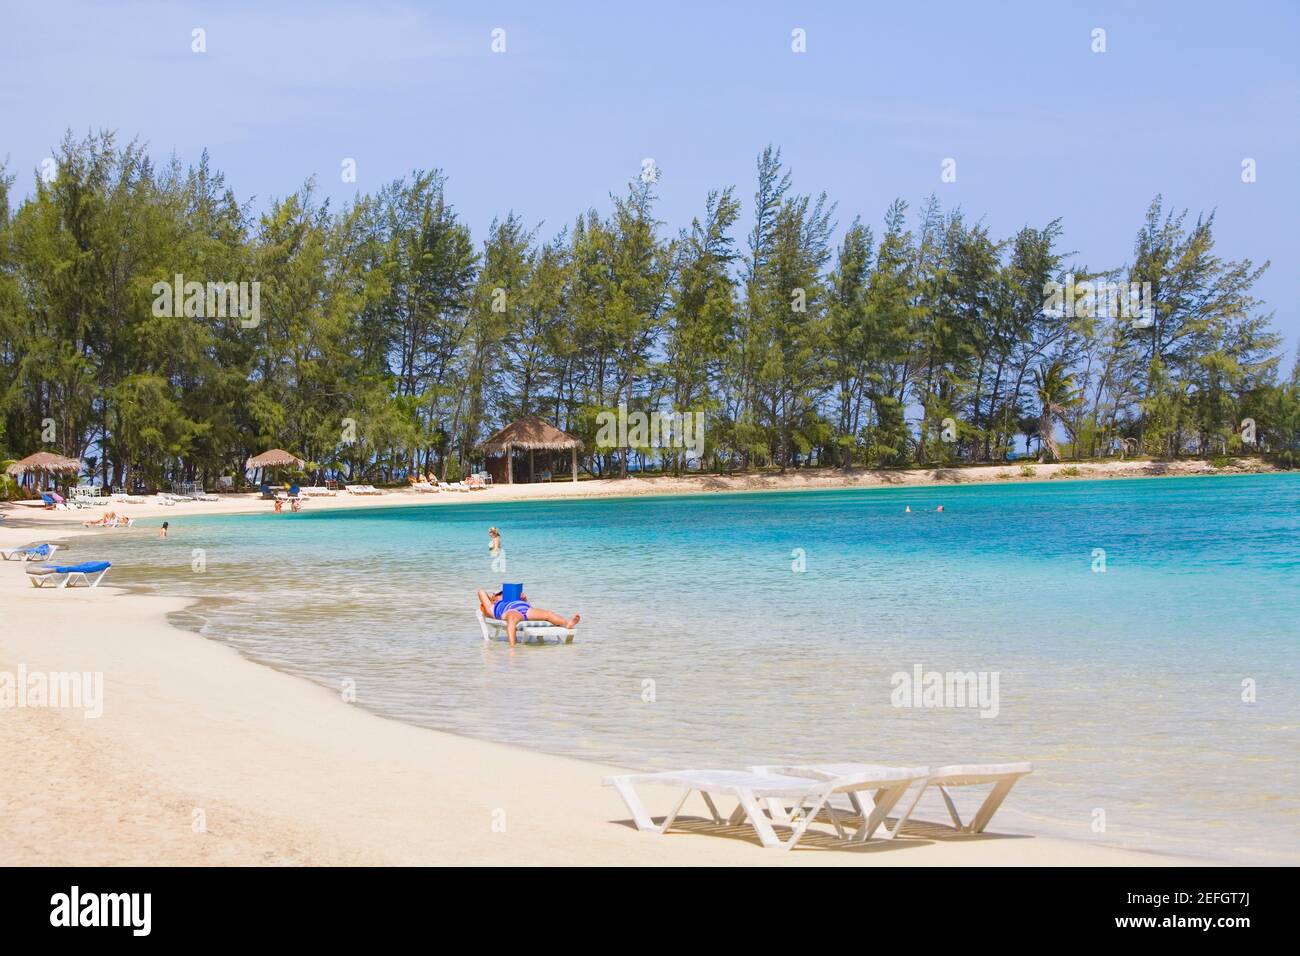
point(512, 619)
point(550, 617)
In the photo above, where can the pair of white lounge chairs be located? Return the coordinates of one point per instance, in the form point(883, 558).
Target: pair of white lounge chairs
point(362, 490)
point(792, 796)
point(527, 632)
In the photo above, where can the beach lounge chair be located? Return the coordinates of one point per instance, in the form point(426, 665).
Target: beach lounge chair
point(362, 490)
point(526, 632)
point(35, 552)
point(1002, 776)
point(751, 791)
point(885, 786)
point(319, 491)
point(89, 573)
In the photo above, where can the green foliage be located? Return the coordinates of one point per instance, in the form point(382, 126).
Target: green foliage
point(390, 342)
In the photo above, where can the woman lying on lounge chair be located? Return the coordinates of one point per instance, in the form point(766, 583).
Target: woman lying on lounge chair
point(516, 612)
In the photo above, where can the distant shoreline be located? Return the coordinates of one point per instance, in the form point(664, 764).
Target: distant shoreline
point(666, 485)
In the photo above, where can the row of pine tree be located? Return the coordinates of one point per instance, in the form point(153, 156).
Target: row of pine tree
point(390, 340)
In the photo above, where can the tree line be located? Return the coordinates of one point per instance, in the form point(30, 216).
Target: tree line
point(388, 339)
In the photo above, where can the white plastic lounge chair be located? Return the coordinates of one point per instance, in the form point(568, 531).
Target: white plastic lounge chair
point(363, 490)
point(319, 491)
point(89, 573)
point(885, 786)
point(809, 796)
point(36, 552)
point(525, 631)
point(1002, 776)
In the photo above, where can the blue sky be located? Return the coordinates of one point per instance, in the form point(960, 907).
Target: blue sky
point(1040, 125)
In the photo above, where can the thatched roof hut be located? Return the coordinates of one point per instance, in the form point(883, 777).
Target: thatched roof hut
point(531, 434)
point(275, 458)
point(44, 462)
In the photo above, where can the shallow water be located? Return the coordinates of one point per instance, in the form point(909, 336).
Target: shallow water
point(702, 645)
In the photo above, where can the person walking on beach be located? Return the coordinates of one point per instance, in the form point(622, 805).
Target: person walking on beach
point(515, 612)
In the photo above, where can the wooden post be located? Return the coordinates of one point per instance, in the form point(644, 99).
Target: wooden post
point(575, 464)
point(532, 470)
point(510, 465)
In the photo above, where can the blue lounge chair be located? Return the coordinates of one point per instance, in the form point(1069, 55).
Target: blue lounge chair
point(89, 573)
point(35, 552)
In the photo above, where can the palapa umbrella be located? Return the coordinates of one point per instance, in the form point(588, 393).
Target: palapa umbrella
point(275, 458)
point(44, 462)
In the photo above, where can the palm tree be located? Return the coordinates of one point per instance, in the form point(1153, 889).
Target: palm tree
point(1057, 394)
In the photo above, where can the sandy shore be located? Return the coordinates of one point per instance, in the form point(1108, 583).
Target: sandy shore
point(203, 757)
point(793, 480)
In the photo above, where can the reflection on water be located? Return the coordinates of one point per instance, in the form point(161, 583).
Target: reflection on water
point(701, 643)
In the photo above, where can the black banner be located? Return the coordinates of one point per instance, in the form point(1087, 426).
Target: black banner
point(334, 906)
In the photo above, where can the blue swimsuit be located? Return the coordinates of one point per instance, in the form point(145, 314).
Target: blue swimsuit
point(504, 607)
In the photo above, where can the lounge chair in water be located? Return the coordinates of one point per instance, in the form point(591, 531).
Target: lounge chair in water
point(526, 632)
point(1002, 777)
point(761, 798)
point(36, 552)
point(89, 573)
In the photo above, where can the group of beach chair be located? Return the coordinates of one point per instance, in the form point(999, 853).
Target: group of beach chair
point(793, 796)
point(89, 573)
point(432, 485)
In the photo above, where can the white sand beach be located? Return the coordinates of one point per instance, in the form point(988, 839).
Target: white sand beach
point(203, 757)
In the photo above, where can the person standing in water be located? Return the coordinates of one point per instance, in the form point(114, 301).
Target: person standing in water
point(162, 532)
point(494, 541)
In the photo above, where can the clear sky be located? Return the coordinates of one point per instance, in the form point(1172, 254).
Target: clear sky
point(1039, 124)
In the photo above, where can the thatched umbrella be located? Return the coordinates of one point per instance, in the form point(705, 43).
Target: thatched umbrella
point(531, 434)
point(275, 458)
point(44, 462)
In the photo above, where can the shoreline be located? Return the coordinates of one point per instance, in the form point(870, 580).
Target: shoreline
point(204, 756)
point(667, 485)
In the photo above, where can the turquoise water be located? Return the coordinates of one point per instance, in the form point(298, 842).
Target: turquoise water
point(702, 645)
